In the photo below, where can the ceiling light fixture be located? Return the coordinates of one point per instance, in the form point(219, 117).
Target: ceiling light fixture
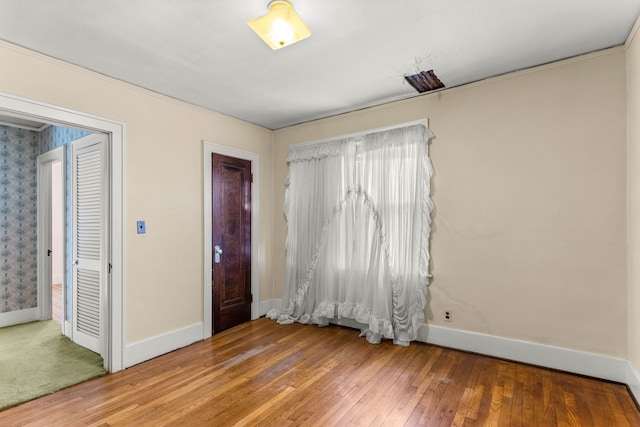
point(281, 26)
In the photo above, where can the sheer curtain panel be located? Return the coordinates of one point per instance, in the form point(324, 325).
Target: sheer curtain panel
point(358, 214)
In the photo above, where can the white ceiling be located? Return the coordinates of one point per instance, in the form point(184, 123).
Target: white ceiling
point(203, 52)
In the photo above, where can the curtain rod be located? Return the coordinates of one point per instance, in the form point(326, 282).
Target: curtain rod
point(424, 122)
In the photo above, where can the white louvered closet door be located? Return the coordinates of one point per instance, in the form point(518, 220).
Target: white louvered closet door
point(89, 233)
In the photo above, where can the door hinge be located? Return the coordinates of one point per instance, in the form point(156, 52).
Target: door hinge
point(252, 178)
point(109, 267)
point(251, 298)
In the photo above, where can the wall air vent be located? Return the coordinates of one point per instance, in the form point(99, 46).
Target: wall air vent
point(424, 81)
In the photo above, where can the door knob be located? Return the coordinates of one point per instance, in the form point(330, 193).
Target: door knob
point(216, 254)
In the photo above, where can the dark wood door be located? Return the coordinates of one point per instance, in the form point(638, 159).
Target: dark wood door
point(231, 252)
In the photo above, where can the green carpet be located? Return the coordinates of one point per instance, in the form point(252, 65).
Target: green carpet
point(36, 359)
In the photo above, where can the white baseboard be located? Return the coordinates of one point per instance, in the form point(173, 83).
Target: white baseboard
point(268, 305)
point(563, 359)
point(149, 348)
point(68, 330)
point(19, 316)
point(156, 346)
point(633, 381)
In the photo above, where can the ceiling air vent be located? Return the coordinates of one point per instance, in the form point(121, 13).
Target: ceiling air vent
point(424, 81)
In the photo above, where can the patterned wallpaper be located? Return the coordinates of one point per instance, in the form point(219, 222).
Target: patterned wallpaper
point(57, 136)
point(19, 150)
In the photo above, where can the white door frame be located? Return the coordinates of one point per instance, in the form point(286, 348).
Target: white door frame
point(209, 148)
point(25, 108)
point(44, 227)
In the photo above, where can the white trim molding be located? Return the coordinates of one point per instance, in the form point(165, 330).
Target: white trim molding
point(633, 381)
point(208, 148)
point(19, 316)
point(546, 356)
point(67, 330)
point(564, 359)
point(149, 348)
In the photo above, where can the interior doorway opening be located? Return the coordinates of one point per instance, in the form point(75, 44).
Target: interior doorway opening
point(57, 242)
point(25, 109)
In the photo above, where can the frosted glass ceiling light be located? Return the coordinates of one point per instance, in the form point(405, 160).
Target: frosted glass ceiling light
point(281, 26)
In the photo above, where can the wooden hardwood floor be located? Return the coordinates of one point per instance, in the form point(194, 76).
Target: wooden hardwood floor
point(264, 374)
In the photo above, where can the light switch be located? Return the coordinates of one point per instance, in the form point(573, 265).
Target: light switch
point(142, 228)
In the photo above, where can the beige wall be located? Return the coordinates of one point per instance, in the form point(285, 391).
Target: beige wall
point(529, 237)
point(163, 181)
point(633, 135)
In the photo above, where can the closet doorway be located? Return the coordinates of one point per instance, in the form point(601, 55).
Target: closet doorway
point(113, 325)
point(52, 236)
point(57, 241)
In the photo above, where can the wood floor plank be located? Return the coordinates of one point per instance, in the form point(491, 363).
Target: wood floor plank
point(526, 393)
point(485, 374)
point(264, 374)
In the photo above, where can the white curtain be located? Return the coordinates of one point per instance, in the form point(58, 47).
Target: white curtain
point(358, 213)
